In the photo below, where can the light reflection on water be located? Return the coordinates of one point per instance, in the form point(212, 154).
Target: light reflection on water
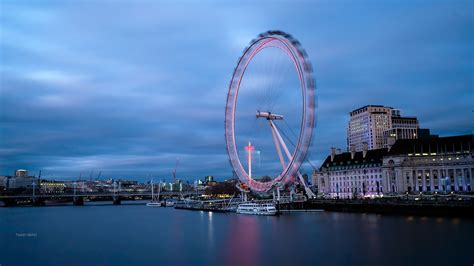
point(242, 245)
point(210, 231)
point(137, 235)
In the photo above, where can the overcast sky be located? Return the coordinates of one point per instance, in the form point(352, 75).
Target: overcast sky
point(126, 87)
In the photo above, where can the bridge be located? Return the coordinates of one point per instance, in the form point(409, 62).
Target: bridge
point(78, 198)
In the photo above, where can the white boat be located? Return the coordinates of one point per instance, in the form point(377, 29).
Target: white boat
point(153, 204)
point(257, 208)
point(169, 203)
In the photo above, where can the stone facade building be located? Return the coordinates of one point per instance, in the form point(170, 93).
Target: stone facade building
point(429, 166)
point(351, 174)
point(438, 165)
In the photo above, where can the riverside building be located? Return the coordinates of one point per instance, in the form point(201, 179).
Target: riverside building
point(351, 174)
point(433, 165)
point(428, 166)
point(379, 126)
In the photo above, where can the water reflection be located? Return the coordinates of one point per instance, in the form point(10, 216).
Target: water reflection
point(210, 231)
point(134, 235)
point(243, 242)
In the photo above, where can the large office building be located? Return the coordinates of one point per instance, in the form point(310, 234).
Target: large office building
point(379, 126)
point(427, 165)
point(367, 125)
point(402, 128)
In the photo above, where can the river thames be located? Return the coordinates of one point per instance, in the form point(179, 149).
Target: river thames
point(140, 235)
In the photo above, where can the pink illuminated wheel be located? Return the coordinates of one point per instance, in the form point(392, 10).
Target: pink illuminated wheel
point(305, 86)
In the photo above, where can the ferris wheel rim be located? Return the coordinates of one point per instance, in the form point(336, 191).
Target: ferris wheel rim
point(297, 54)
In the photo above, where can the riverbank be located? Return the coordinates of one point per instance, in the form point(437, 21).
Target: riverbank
point(424, 207)
point(450, 208)
point(429, 207)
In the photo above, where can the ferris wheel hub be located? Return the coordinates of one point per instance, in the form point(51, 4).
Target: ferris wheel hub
point(269, 115)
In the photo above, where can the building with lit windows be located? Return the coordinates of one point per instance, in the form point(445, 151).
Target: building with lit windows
point(351, 174)
point(428, 166)
point(52, 187)
point(367, 125)
point(402, 128)
point(379, 126)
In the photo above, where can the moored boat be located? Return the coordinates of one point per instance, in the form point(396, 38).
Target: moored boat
point(154, 204)
point(169, 203)
point(257, 208)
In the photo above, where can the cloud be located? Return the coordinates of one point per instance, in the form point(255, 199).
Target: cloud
point(58, 78)
point(136, 85)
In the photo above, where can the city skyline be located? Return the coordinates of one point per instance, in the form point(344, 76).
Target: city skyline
point(134, 88)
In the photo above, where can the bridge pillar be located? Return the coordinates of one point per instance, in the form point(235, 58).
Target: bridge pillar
point(78, 201)
point(116, 200)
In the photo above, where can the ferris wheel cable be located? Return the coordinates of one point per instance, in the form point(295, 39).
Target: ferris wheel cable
point(278, 90)
point(310, 163)
point(271, 72)
point(261, 92)
point(281, 75)
point(306, 158)
point(284, 81)
point(284, 134)
point(291, 130)
point(267, 73)
point(278, 81)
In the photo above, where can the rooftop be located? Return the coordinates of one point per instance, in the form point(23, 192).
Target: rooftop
point(452, 144)
point(372, 158)
point(371, 105)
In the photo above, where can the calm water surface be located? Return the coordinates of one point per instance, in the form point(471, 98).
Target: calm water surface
point(140, 235)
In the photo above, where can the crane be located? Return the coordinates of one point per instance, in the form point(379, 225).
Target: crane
point(174, 171)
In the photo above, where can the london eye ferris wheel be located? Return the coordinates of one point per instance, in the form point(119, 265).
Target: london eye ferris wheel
point(270, 112)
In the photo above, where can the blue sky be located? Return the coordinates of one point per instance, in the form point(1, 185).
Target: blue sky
point(126, 87)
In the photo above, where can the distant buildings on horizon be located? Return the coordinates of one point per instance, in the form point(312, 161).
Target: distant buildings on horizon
point(21, 181)
point(386, 154)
